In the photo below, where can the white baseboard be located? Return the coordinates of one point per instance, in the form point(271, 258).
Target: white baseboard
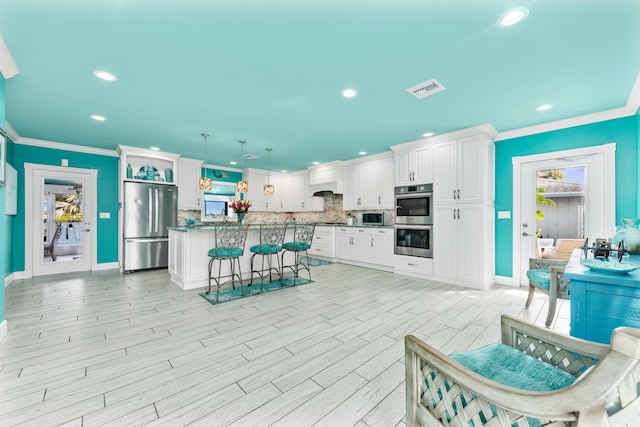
point(107, 266)
point(3, 329)
point(16, 275)
point(508, 281)
point(19, 275)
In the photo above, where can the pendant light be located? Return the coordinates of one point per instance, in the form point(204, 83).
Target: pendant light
point(204, 182)
point(242, 186)
point(268, 187)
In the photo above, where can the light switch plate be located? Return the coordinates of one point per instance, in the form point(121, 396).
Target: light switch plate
point(105, 215)
point(504, 214)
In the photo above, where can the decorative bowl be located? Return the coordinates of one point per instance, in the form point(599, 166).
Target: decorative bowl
point(189, 222)
point(611, 267)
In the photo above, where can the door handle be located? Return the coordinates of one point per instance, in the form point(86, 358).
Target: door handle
point(371, 242)
point(454, 214)
point(454, 194)
point(157, 213)
point(379, 200)
point(525, 234)
point(150, 220)
point(458, 213)
point(458, 194)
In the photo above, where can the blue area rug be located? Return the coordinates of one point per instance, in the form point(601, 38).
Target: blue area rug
point(315, 262)
point(233, 294)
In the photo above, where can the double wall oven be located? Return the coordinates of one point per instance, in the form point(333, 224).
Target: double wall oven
point(414, 220)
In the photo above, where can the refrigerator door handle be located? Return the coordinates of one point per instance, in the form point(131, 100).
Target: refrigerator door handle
point(150, 210)
point(147, 240)
point(157, 213)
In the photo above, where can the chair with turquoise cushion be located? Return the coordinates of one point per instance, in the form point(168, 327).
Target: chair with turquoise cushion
point(547, 276)
point(230, 240)
point(533, 377)
point(271, 239)
point(302, 237)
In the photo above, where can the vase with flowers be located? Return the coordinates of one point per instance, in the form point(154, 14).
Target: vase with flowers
point(240, 207)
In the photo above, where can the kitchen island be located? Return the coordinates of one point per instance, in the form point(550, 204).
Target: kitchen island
point(601, 302)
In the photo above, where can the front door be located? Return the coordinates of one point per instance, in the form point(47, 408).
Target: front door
point(59, 218)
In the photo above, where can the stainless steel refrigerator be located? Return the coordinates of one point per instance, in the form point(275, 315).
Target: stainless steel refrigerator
point(148, 210)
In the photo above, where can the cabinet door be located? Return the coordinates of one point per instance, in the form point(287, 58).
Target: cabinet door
point(256, 182)
point(352, 198)
point(402, 167)
point(189, 193)
point(471, 244)
point(386, 195)
point(370, 194)
point(273, 203)
point(445, 242)
point(424, 165)
point(362, 245)
point(344, 244)
point(382, 252)
point(445, 172)
point(475, 169)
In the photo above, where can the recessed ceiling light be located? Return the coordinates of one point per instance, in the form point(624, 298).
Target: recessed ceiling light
point(428, 134)
point(98, 117)
point(362, 153)
point(154, 148)
point(513, 16)
point(544, 107)
point(349, 93)
point(283, 170)
point(233, 163)
point(105, 75)
point(316, 163)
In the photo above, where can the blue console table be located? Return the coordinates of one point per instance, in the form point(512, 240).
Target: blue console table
point(600, 302)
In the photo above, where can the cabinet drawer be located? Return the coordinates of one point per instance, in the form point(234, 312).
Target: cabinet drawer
point(321, 250)
point(413, 265)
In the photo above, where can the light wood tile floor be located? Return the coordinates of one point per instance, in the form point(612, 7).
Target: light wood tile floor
point(110, 349)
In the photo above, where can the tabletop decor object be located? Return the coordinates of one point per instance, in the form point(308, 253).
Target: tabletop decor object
point(630, 233)
point(611, 267)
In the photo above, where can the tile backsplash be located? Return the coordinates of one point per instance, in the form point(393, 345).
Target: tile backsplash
point(333, 213)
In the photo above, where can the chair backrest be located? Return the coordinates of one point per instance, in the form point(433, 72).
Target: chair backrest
point(231, 236)
point(303, 232)
point(556, 267)
point(272, 233)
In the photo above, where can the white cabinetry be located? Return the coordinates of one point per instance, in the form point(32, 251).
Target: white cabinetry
point(323, 243)
point(369, 247)
point(414, 166)
point(259, 201)
point(301, 198)
point(463, 211)
point(189, 193)
point(138, 157)
point(369, 184)
point(463, 245)
point(292, 193)
point(413, 266)
point(464, 170)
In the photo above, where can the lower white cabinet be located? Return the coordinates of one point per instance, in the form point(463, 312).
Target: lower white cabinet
point(370, 247)
point(322, 244)
point(413, 266)
point(463, 245)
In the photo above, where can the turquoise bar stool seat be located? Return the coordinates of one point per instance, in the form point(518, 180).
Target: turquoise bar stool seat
point(271, 239)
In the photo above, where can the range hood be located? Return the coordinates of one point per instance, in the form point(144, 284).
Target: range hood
point(326, 178)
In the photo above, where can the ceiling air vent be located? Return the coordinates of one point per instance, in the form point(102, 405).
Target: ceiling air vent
point(425, 89)
point(249, 156)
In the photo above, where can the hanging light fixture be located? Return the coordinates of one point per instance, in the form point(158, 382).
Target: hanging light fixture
point(268, 187)
point(242, 186)
point(204, 182)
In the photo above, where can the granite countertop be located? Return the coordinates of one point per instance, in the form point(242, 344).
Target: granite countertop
point(209, 228)
point(333, 224)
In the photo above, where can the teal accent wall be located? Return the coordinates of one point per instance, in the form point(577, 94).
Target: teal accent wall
point(107, 167)
point(624, 132)
point(4, 230)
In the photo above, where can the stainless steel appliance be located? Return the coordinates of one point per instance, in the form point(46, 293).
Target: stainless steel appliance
point(376, 218)
point(148, 210)
point(414, 240)
point(414, 204)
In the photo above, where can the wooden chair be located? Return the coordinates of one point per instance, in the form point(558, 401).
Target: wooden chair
point(603, 390)
point(547, 275)
point(271, 239)
point(230, 240)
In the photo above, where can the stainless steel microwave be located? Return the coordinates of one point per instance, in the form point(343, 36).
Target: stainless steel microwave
point(376, 218)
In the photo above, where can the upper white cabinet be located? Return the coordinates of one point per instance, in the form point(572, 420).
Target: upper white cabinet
point(414, 166)
point(189, 193)
point(463, 170)
point(326, 177)
point(369, 184)
point(165, 164)
point(292, 193)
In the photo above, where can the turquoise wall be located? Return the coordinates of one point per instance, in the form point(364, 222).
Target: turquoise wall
point(624, 132)
point(107, 167)
point(3, 221)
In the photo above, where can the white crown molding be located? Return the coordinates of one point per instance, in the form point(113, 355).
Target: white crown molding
point(8, 68)
point(633, 103)
point(486, 129)
point(601, 116)
point(17, 139)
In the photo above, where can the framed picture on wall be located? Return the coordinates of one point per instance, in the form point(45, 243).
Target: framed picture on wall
point(3, 155)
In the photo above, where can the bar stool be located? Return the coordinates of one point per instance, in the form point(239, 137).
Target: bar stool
point(302, 237)
point(230, 242)
point(271, 238)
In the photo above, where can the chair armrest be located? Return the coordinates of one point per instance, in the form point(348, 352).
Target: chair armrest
point(573, 355)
